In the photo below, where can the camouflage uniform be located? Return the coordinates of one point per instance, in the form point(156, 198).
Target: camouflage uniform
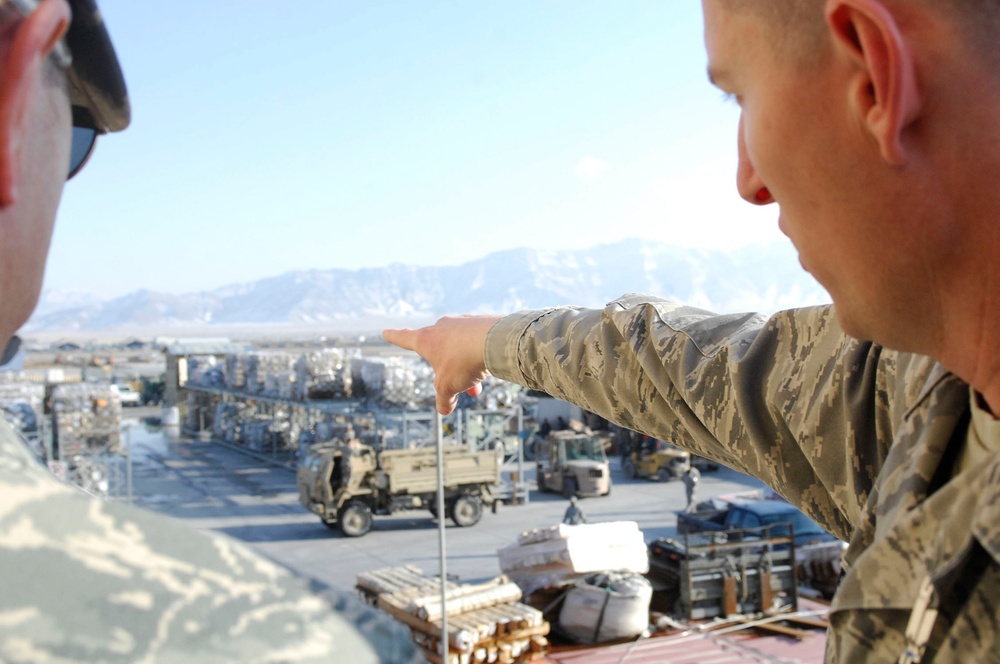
point(861, 438)
point(86, 580)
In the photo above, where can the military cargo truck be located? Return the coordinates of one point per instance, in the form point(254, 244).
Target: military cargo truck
point(345, 484)
point(572, 463)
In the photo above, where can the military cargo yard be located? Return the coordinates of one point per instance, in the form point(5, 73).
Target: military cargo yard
point(322, 458)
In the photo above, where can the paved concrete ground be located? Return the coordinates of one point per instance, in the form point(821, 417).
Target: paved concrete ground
point(215, 487)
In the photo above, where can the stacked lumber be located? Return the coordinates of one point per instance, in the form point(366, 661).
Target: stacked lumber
point(562, 555)
point(486, 621)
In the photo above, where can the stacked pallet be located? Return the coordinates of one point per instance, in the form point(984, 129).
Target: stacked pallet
point(394, 380)
point(21, 405)
point(323, 374)
point(87, 419)
point(261, 364)
point(200, 370)
point(486, 622)
point(227, 425)
point(280, 384)
point(236, 371)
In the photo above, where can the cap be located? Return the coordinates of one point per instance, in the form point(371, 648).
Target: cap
point(97, 87)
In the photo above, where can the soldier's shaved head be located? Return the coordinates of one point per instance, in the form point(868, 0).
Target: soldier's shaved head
point(797, 27)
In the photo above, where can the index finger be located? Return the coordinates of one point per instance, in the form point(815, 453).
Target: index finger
point(404, 338)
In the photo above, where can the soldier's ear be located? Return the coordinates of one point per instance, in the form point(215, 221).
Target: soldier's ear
point(882, 89)
point(29, 43)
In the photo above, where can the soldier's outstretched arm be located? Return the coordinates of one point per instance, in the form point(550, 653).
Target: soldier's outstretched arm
point(454, 347)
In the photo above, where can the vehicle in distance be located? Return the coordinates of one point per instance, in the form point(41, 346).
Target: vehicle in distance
point(654, 459)
point(128, 396)
point(345, 484)
point(572, 463)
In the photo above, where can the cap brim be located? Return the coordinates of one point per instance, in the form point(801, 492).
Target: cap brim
point(96, 81)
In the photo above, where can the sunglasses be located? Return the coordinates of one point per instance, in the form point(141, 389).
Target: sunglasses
point(84, 140)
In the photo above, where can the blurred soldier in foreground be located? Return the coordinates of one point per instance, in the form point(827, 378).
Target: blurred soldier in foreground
point(91, 581)
point(875, 124)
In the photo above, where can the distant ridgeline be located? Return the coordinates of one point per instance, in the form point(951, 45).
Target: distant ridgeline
point(764, 278)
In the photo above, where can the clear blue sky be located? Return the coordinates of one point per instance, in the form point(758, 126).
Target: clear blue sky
point(270, 137)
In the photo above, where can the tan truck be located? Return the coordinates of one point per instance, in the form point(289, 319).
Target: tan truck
point(572, 463)
point(346, 484)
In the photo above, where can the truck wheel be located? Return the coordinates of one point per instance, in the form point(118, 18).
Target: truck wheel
point(628, 467)
point(664, 474)
point(355, 519)
point(569, 487)
point(466, 510)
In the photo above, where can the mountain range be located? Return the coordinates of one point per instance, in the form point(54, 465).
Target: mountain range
point(759, 278)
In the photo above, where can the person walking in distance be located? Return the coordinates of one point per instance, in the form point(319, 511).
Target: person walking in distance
point(690, 477)
point(574, 516)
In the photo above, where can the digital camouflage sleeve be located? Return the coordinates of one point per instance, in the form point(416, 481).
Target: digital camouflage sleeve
point(861, 438)
point(85, 580)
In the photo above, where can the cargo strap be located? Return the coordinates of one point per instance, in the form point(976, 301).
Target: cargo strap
point(918, 629)
point(600, 617)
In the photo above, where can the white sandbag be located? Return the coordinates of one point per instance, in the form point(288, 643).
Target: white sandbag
point(606, 607)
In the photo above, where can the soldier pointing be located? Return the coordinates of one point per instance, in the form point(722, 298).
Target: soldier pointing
point(875, 125)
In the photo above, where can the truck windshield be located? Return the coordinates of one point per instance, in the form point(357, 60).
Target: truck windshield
point(584, 449)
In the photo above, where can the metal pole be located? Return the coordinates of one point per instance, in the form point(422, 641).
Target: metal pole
point(521, 442)
point(441, 545)
point(128, 462)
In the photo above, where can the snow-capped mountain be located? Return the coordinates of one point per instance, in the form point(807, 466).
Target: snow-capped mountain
point(762, 278)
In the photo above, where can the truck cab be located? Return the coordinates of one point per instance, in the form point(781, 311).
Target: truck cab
point(572, 463)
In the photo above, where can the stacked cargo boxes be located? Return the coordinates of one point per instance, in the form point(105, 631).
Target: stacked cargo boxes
point(87, 437)
point(323, 374)
point(87, 419)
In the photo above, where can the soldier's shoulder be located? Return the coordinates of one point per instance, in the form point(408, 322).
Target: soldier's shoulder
point(92, 580)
